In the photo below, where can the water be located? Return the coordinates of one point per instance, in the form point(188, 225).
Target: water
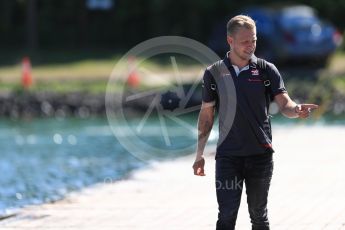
point(43, 159)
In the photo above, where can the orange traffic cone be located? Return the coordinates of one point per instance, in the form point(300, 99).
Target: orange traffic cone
point(26, 73)
point(133, 77)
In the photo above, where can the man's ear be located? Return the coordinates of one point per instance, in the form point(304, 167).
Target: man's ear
point(230, 40)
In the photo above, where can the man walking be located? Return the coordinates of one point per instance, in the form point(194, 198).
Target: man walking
point(244, 154)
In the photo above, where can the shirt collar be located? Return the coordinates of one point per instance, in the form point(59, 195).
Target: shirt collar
point(252, 62)
point(238, 71)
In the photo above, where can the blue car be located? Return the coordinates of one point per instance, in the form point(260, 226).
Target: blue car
point(287, 33)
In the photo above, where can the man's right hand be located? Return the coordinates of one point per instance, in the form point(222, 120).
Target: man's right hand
point(198, 167)
point(205, 123)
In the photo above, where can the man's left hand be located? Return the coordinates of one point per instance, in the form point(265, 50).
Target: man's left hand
point(304, 110)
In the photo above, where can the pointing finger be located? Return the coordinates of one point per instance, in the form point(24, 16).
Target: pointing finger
point(309, 106)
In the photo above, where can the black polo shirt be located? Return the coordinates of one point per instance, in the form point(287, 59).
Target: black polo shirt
point(250, 132)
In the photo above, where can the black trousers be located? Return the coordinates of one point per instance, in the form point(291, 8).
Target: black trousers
point(256, 173)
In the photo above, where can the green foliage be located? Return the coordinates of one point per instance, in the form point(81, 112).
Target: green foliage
point(64, 23)
point(328, 91)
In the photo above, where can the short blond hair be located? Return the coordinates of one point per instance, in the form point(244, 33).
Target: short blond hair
point(239, 21)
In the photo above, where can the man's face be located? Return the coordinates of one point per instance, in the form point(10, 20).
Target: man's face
point(243, 43)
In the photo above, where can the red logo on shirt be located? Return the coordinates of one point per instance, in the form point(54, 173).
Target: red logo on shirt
point(254, 80)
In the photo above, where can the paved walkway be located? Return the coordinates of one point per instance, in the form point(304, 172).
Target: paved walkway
point(307, 192)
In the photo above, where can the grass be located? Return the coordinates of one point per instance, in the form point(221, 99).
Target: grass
point(88, 69)
point(82, 71)
point(86, 75)
point(66, 71)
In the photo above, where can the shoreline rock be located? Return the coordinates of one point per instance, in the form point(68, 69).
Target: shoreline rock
point(28, 104)
point(48, 104)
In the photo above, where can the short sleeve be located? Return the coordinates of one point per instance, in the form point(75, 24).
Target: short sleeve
point(277, 82)
point(209, 93)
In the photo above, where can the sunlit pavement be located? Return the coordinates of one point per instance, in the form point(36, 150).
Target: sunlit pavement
point(307, 192)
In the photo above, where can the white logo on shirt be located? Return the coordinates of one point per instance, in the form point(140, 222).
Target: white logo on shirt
point(255, 72)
